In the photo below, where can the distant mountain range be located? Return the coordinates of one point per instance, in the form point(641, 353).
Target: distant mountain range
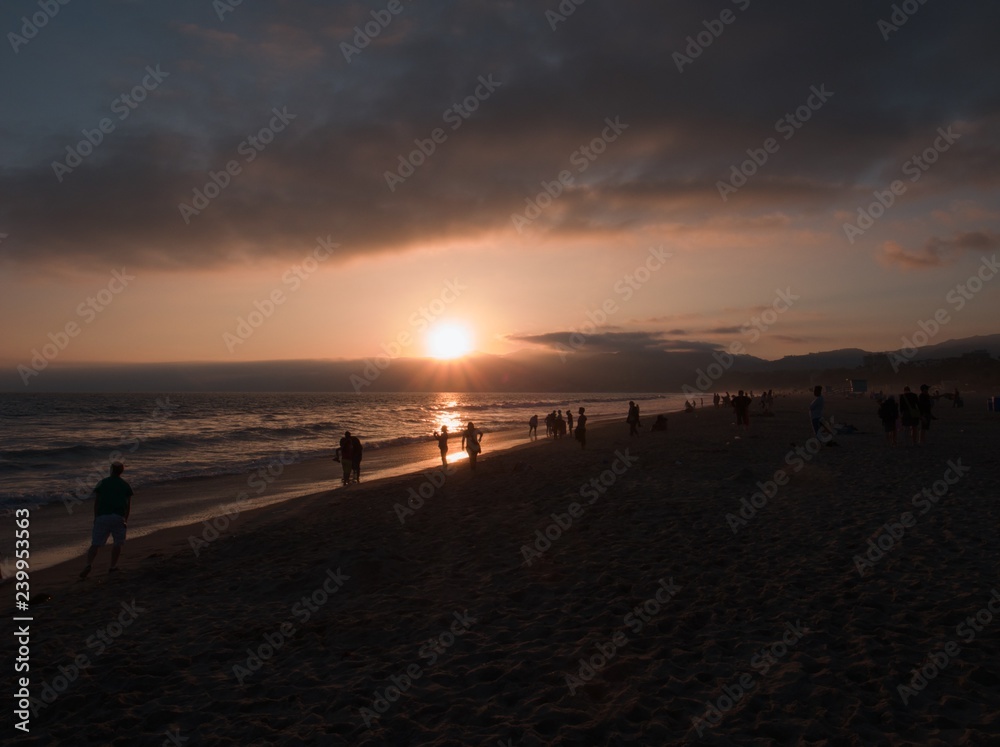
point(528, 371)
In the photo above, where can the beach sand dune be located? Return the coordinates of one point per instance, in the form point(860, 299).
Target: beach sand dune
point(654, 590)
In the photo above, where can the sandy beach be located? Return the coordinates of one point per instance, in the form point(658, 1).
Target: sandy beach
point(687, 587)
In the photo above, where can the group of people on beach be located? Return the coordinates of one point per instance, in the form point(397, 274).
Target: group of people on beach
point(349, 455)
point(913, 412)
point(472, 443)
point(557, 426)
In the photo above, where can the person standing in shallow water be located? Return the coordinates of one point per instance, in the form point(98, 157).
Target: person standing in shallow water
point(581, 429)
point(472, 439)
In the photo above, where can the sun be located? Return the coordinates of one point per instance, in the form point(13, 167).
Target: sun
point(448, 340)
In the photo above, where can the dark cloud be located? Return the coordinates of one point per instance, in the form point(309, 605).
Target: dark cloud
point(937, 251)
point(325, 174)
point(612, 342)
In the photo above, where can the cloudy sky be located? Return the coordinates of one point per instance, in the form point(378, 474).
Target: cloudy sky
point(199, 181)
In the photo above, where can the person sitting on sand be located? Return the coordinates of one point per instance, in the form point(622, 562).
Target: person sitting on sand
point(660, 424)
point(442, 439)
point(533, 428)
point(472, 439)
point(581, 428)
point(345, 455)
point(112, 505)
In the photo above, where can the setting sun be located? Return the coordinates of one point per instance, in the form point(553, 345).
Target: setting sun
point(448, 340)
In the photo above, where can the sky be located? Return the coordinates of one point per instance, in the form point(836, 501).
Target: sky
point(202, 181)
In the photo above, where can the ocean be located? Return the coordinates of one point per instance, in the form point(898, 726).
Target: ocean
point(54, 446)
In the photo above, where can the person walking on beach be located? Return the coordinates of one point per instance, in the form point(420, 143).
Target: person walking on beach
point(909, 413)
point(633, 419)
point(888, 411)
point(112, 505)
point(924, 406)
point(581, 429)
point(569, 421)
point(442, 439)
point(472, 439)
point(533, 428)
point(356, 451)
point(741, 404)
point(345, 455)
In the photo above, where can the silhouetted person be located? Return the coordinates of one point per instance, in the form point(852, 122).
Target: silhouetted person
point(924, 406)
point(741, 404)
point(816, 409)
point(660, 424)
point(569, 421)
point(633, 418)
point(533, 428)
point(581, 429)
point(888, 411)
point(112, 505)
point(472, 439)
point(345, 455)
point(357, 450)
point(442, 439)
point(909, 413)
